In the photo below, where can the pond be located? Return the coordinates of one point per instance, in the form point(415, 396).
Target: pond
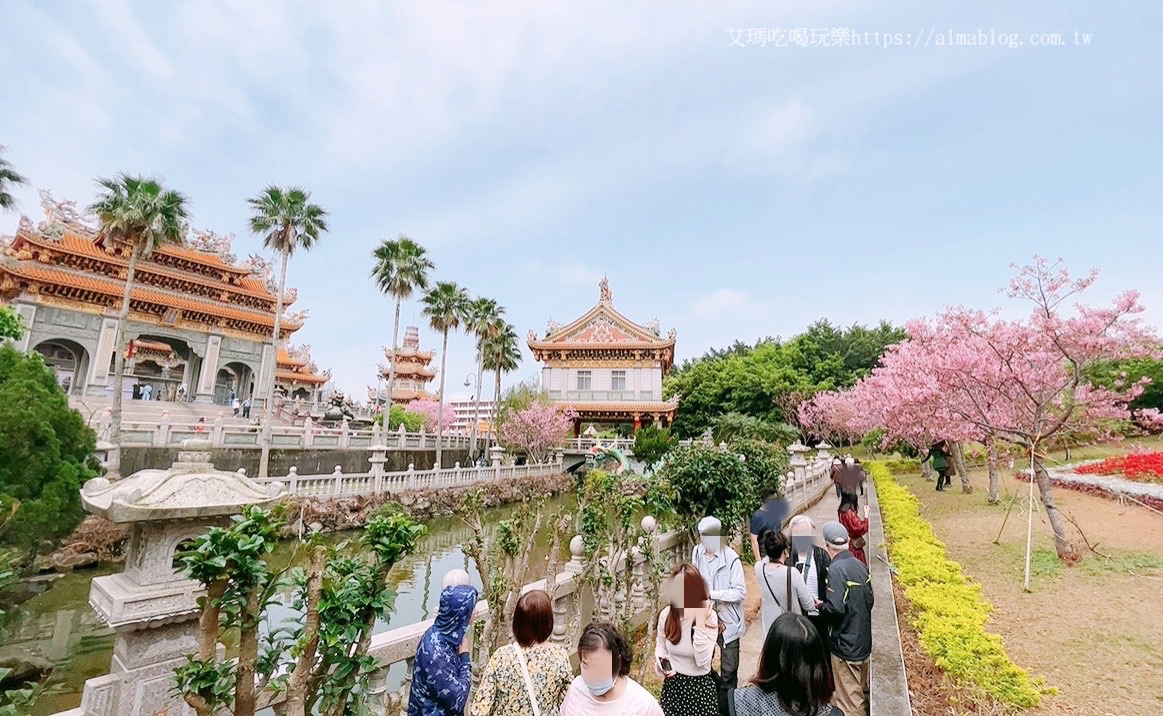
point(59, 627)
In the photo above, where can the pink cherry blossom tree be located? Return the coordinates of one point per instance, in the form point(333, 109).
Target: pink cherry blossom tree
point(975, 375)
point(536, 429)
point(433, 415)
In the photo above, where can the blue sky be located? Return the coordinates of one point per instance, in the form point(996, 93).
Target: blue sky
point(732, 192)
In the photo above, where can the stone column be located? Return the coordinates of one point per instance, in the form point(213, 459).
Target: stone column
point(26, 312)
point(99, 372)
point(209, 373)
point(153, 608)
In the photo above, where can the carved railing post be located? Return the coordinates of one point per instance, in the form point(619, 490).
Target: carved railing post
point(377, 460)
point(402, 437)
point(308, 432)
point(293, 480)
point(344, 434)
point(162, 436)
point(337, 476)
point(411, 476)
point(216, 431)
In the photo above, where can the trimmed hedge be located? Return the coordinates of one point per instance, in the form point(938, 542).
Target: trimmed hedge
point(950, 611)
point(902, 466)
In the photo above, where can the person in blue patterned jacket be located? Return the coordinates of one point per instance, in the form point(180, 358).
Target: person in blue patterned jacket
point(442, 674)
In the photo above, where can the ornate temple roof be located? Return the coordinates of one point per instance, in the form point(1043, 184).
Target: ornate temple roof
point(296, 366)
point(199, 285)
point(602, 328)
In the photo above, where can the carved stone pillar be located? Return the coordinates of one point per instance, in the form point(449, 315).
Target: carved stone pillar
point(150, 605)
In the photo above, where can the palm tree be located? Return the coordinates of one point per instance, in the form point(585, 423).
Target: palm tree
point(502, 354)
point(446, 307)
point(8, 180)
point(287, 220)
point(141, 213)
point(401, 268)
point(484, 321)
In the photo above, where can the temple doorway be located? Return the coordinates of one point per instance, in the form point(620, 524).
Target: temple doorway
point(68, 360)
point(162, 363)
point(234, 380)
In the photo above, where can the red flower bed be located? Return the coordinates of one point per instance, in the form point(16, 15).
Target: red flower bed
point(1146, 466)
point(1097, 490)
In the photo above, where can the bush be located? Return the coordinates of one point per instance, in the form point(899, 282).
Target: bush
point(736, 426)
point(903, 466)
point(46, 454)
point(651, 443)
point(398, 416)
point(709, 481)
point(950, 610)
point(766, 462)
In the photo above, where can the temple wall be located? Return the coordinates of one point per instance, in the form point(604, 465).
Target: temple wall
point(94, 334)
point(644, 383)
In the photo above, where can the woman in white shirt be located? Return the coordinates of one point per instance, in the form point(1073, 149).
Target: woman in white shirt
point(688, 630)
point(779, 585)
point(605, 687)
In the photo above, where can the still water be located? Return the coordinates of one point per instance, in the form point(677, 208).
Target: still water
point(58, 626)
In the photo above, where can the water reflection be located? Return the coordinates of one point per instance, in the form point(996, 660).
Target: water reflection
point(59, 627)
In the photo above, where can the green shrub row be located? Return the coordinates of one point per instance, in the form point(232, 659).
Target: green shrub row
point(950, 611)
point(902, 466)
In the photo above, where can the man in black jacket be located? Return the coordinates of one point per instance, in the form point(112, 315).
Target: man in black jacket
point(812, 562)
point(848, 610)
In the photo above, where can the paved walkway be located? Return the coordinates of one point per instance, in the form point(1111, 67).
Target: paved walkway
point(752, 642)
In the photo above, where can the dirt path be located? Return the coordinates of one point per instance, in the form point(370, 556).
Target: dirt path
point(1094, 631)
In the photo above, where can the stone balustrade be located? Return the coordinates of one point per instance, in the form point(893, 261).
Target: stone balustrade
point(377, 481)
point(224, 433)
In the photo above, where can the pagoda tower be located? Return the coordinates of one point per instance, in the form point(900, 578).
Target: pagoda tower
point(413, 372)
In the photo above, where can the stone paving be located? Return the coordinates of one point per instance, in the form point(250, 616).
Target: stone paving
point(752, 642)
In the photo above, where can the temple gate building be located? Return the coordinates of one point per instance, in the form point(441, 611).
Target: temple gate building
point(200, 324)
point(413, 372)
point(606, 368)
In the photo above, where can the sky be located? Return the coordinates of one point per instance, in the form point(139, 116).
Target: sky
point(736, 169)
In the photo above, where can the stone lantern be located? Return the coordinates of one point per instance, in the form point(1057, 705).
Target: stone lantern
point(823, 449)
point(798, 463)
point(150, 605)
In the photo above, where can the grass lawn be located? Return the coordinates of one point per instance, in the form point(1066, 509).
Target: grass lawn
point(1094, 631)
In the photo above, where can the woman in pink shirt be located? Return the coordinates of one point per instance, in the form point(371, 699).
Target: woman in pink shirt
point(605, 687)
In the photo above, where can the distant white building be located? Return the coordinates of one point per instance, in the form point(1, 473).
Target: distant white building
point(464, 414)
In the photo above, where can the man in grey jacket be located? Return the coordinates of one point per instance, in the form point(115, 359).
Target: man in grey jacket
point(723, 571)
point(848, 610)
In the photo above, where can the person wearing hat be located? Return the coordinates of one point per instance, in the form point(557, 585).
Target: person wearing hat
point(848, 611)
point(722, 569)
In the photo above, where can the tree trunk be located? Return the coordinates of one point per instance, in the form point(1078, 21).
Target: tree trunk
point(1062, 543)
point(265, 457)
point(440, 413)
point(114, 457)
point(994, 487)
point(927, 471)
point(296, 704)
point(476, 404)
point(244, 696)
point(392, 365)
point(962, 470)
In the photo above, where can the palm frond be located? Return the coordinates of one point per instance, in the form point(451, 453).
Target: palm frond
point(446, 306)
point(401, 267)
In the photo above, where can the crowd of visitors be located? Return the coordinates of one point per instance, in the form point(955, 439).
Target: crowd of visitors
point(816, 619)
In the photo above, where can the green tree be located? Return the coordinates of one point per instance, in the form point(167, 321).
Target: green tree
point(287, 221)
point(446, 307)
point(318, 662)
point(651, 443)
point(9, 179)
point(137, 215)
point(10, 326)
point(502, 354)
point(398, 415)
point(709, 481)
point(733, 426)
point(485, 321)
point(766, 462)
point(1112, 373)
point(401, 269)
point(46, 454)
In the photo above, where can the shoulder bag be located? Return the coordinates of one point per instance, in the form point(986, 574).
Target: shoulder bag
point(528, 681)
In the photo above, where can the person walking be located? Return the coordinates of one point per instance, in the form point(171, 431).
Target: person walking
point(530, 676)
point(723, 572)
point(811, 561)
point(442, 670)
point(781, 588)
point(604, 687)
point(236, 406)
point(794, 677)
point(246, 407)
point(147, 392)
point(769, 516)
point(857, 527)
point(688, 630)
point(848, 609)
point(941, 455)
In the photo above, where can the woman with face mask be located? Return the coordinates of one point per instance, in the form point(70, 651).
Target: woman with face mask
point(781, 586)
point(442, 674)
point(605, 687)
point(811, 561)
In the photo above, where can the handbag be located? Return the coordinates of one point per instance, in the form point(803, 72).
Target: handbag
point(528, 681)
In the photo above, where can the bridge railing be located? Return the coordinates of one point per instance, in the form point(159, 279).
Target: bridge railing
point(224, 433)
point(377, 481)
point(624, 444)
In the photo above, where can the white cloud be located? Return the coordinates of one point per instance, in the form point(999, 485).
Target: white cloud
point(724, 303)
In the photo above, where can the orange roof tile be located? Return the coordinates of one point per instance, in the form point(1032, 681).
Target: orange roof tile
point(74, 243)
point(112, 287)
point(291, 376)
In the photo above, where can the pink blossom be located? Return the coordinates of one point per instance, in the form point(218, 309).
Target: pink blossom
point(536, 429)
point(430, 409)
